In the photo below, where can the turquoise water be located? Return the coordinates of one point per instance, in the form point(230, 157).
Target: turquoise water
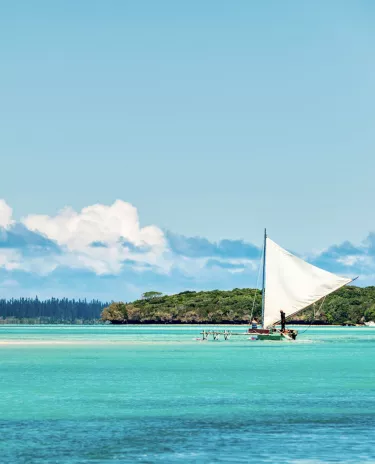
point(155, 394)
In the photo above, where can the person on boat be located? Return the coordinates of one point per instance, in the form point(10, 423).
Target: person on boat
point(254, 323)
point(282, 316)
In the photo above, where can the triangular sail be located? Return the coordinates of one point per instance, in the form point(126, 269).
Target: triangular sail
point(292, 284)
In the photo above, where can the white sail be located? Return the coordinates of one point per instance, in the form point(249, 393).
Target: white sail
point(292, 284)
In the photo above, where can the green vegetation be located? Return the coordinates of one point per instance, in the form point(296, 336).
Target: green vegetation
point(187, 307)
point(348, 305)
point(52, 311)
point(149, 295)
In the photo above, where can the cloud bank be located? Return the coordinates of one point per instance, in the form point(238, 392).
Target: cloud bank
point(104, 251)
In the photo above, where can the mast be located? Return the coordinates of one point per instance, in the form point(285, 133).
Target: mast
point(264, 276)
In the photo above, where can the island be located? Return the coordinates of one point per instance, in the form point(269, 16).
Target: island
point(350, 305)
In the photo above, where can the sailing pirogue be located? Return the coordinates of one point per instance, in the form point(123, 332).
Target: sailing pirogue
point(290, 284)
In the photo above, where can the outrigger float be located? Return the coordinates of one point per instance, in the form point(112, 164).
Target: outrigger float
point(289, 284)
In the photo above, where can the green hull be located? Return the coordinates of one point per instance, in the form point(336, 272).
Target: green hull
point(290, 335)
point(275, 336)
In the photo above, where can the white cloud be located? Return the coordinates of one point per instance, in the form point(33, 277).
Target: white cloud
point(13, 260)
point(96, 223)
point(349, 260)
point(108, 239)
point(5, 214)
point(116, 227)
point(10, 259)
point(355, 260)
point(103, 239)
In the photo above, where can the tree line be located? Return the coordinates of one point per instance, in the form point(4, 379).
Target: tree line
point(51, 311)
point(349, 305)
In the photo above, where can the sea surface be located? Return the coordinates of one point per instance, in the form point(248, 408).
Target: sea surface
point(157, 394)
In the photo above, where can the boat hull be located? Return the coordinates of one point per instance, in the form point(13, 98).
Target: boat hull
point(275, 336)
point(262, 334)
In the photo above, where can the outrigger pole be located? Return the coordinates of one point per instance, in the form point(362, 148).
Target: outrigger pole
point(264, 276)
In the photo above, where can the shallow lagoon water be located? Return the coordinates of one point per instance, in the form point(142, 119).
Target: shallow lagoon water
point(103, 394)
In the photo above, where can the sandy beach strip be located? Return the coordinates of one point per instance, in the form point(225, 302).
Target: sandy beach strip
point(90, 342)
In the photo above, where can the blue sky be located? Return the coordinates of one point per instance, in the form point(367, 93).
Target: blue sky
point(214, 119)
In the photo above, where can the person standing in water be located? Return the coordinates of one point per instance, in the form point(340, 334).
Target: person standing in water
point(254, 324)
point(282, 315)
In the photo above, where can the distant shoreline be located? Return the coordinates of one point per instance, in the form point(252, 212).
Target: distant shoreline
point(148, 324)
point(348, 306)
